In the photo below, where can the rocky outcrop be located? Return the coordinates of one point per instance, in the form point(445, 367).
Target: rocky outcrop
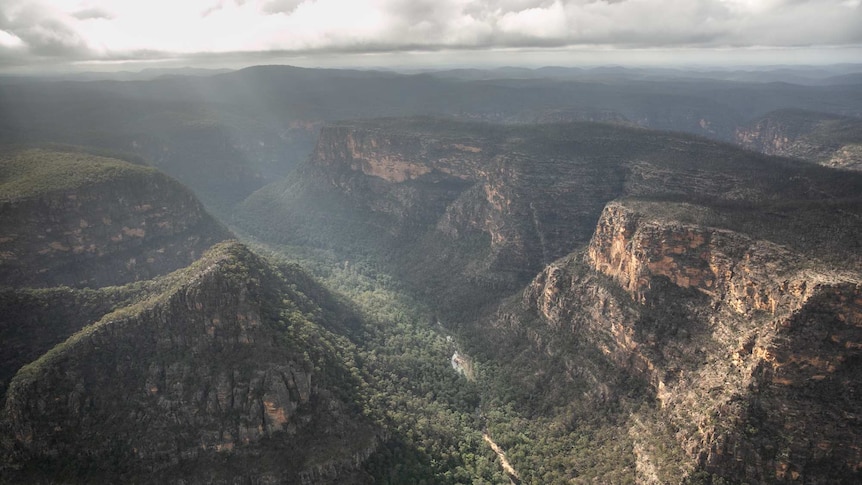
point(750, 347)
point(747, 275)
point(210, 369)
point(116, 224)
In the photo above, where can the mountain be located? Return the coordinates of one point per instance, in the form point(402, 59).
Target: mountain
point(220, 373)
point(822, 138)
point(692, 307)
point(235, 367)
point(72, 218)
point(569, 301)
point(182, 376)
point(73, 223)
point(803, 75)
point(143, 74)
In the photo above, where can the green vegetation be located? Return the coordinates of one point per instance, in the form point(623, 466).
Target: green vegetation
point(554, 402)
point(397, 298)
point(381, 358)
point(552, 425)
point(35, 172)
point(428, 412)
point(34, 320)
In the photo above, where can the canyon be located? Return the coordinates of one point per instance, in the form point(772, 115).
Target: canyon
point(699, 278)
point(530, 285)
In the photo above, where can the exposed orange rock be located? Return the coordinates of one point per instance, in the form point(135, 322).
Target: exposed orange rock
point(762, 328)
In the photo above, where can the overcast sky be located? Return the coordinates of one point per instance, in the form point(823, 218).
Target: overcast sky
point(36, 34)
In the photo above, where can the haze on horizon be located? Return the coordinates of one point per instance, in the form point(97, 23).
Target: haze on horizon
point(77, 35)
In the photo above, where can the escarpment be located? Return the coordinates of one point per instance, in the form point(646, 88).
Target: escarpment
point(692, 271)
point(821, 138)
point(493, 204)
point(85, 221)
point(217, 375)
point(751, 348)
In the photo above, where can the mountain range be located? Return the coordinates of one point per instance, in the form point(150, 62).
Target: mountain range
point(285, 275)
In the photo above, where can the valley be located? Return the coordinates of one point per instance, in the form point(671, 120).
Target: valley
point(285, 275)
point(474, 186)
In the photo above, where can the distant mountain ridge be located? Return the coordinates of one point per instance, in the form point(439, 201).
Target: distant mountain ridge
point(256, 124)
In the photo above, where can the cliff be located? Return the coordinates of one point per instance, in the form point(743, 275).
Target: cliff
point(70, 218)
point(822, 138)
point(749, 347)
point(223, 373)
point(688, 313)
point(460, 207)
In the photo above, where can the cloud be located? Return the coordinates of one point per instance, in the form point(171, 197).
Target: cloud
point(280, 6)
point(112, 29)
point(41, 32)
point(92, 13)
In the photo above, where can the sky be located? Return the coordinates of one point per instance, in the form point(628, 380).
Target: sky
point(121, 34)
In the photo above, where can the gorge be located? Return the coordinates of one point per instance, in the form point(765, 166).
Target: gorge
point(524, 291)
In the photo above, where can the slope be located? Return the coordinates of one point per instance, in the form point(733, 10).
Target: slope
point(748, 349)
point(223, 372)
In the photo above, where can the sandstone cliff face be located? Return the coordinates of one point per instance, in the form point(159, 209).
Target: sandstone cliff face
point(465, 183)
point(697, 312)
point(750, 348)
point(205, 371)
point(828, 140)
point(460, 208)
point(395, 157)
point(123, 225)
point(536, 192)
